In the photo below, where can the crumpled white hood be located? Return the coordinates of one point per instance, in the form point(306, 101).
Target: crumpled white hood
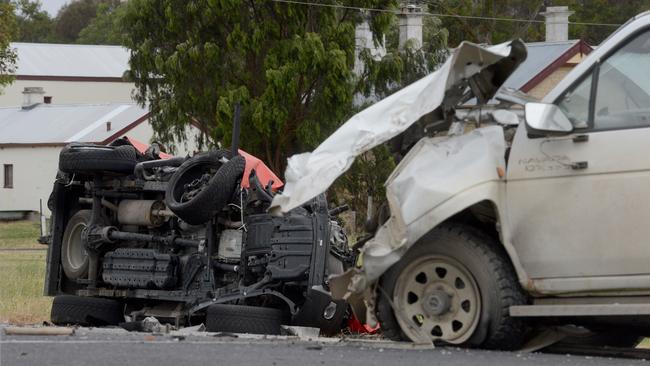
point(310, 174)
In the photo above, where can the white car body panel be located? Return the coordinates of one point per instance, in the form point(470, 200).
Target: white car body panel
point(310, 174)
point(466, 172)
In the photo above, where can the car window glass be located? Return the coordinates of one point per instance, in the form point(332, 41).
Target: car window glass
point(575, 103)
point(623, 92)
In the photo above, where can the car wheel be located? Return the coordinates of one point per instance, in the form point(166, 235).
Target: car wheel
point(202, 186)
point(74, 258)
point(86, 311)
point(91, 158)
point(243, 319)
point(454, 286)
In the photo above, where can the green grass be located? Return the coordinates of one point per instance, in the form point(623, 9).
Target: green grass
point(21, 287)
point(21, 274)
point(19, 234)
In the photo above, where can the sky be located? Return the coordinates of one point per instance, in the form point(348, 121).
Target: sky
point(53, 6)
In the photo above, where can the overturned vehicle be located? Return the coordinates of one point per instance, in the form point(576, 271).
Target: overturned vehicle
point(504, 217)
point(187, 239)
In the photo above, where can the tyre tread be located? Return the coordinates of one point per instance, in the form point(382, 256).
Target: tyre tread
point(86, 311)
point(243, 319)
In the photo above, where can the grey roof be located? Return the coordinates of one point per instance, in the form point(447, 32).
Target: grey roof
point(540, 55)
point(55, 124)
point(72, 60)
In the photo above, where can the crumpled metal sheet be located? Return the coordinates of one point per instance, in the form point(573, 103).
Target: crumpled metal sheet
point(415, 189)
point(310, 174)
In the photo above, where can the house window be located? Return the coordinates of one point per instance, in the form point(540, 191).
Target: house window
point(9, 176)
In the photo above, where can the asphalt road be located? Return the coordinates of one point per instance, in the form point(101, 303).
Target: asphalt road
point(100, 347)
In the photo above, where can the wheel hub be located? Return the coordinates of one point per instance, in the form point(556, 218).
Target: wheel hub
point(437, 303)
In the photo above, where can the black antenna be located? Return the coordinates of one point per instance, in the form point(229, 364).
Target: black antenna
point(235, 131)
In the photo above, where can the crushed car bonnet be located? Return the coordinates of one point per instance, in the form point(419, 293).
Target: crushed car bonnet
point(470, 72)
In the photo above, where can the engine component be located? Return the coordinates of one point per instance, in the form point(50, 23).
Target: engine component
point(230, 246)
point(288, 241)
point(140, 268)
point(142, 212)
point(110, 234)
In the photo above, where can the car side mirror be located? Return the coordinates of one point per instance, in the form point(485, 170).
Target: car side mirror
point(544, 119)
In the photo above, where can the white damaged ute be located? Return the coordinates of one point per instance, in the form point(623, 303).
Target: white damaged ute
point(495, 226)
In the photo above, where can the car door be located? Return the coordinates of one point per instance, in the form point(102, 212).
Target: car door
point(579, 205)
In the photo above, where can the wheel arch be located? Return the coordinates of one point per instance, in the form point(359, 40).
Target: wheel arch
point(481, 207)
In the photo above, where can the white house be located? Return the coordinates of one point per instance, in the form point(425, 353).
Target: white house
point(33, 135)
point(70, 73)
point(63, 93)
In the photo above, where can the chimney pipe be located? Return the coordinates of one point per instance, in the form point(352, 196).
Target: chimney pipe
point(363, 39)
point(557, 23)
point(32, 96)
point(108, 126)
point(47, 99)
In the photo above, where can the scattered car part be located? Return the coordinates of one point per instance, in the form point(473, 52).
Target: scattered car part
point(39, 331)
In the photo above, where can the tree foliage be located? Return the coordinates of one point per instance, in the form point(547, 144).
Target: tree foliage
point(72, 18)
point(7, 31)
point(495, 31)
point(34, 23)
point(80, 21)
point(489, 31)
point(600, 11)
point(289, 66)
point(105, 27)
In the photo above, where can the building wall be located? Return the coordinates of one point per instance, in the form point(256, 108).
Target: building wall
point(69, 92)
point(540, 90)
point(34, 170)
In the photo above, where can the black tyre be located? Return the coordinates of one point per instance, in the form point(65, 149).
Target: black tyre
point(74, 258)
point(243, 319)
point(202, 186)
point(454, 286)
point(86, 311)
point(91, 158)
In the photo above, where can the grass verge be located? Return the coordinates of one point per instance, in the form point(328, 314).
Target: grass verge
point(22, 273)
point(19, 234)
point(21, 287)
